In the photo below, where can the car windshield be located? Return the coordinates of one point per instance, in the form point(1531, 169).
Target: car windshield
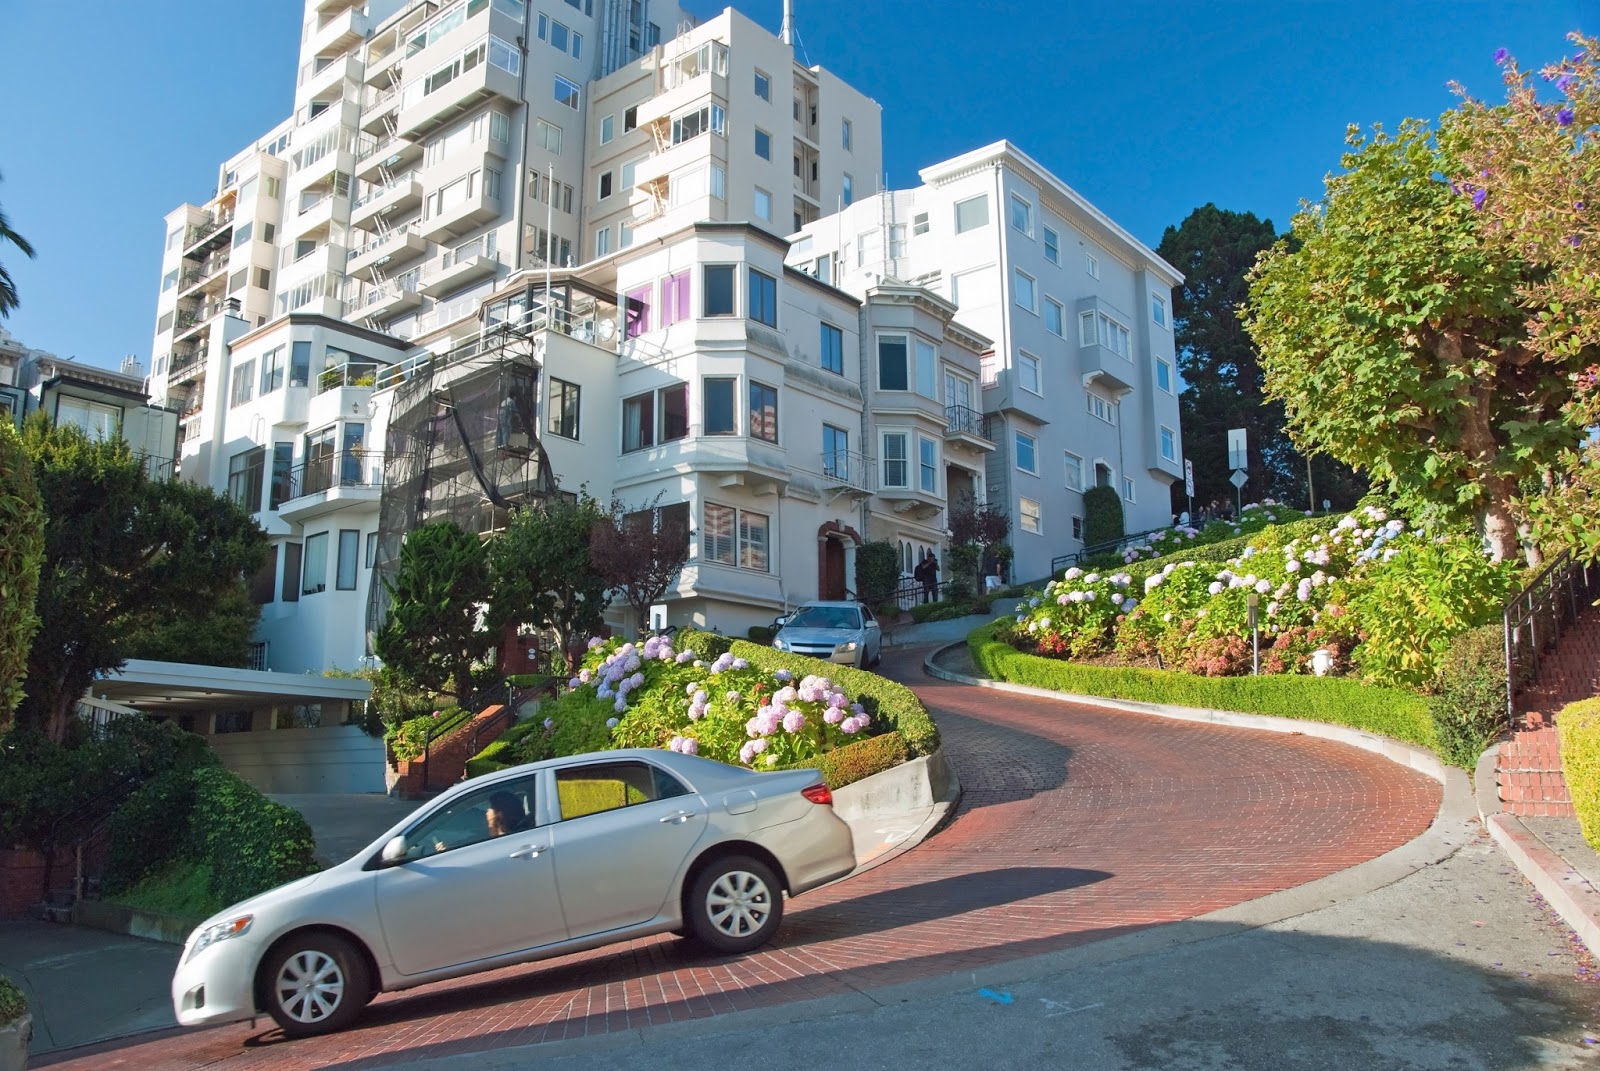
point(825, 617)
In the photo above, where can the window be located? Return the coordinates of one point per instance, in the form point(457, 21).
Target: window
point(173, 238)
point(1169, 444)
point(753, 541)
point(690, 125)
point(563, 409)
point(848, 194)
point(243, 383)
point(666, 409)
point(268, 232)
point(763, 144)
point(892, 371)
point(1098, 328)
point(314, 570)
point(264, 278)
point(606, 183)
point(763, 87)
point(972, 213)
point(719, 182)
point(1052, 246)
point(608, 128)
point(674, 298)
point(895, 459)
point(835, 452)
point(1127, 489)
point(165, 323)
point(1028, 372)
point(345, 571)
point(299, 364)
point(1074, 472)
point(1077, 529)
point(719, 417)
point(1091, 265)
point(241, 236)
point(1028, 518)
point(897, 240)
point(466, 821)
point(593, 789)
point(1055, 317)
point(566, 93)
point(927, 370)
point(169, 280)
point(602, 241)
point(1027, 453)
point(763, 412)
point(630, 118)
point(717, 299)
point(763, 298)
point(849, 135)
point(1026, 293)
point(716, 534)
point(548, 136)
point(1101, 408)
point(763, 205)
point(1163, 375)
point(629, 170)
point(833, 349)
point(927, 465)
point(636, 314)
point(1021, 215)
point(1158, 309)
point(291, 572)
point(282, 473)
point(237, 280)
point(270, 187)
point(372, 549)
point(271, 370)
point(246, 472)
point(919, 223)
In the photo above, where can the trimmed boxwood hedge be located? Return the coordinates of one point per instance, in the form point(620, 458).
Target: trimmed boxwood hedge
point(497, 755)
point(860, 760)
point(1402, 715)
point(1579, 728)
point(13, 1005)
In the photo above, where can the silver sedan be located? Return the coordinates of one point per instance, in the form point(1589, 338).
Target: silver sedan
point(525, 864)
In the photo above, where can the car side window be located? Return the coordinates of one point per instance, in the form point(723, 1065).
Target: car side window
point(607, 786)
point(495, 811)
point(866, 613)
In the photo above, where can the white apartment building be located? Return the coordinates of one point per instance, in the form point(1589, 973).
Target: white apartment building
point(1081, 386)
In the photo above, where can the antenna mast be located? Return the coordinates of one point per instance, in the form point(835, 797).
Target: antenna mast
point(786, 32)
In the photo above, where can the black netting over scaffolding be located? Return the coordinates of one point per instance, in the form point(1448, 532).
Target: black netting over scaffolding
point(462, 446)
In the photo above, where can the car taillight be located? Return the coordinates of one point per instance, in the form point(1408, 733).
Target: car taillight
point(818, 794)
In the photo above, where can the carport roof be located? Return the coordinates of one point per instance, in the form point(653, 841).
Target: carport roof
point(181, 688)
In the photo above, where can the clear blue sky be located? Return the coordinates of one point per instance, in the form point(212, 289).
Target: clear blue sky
point(116, 112)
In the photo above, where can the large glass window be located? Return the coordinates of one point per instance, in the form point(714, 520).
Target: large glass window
point(638, 422)
point(246, 472)
point(1029, 516)
point(833, 349)
point(763, 298)
point(763, 144)
point(349, 551)
point(716, 534)
point(895, 459)
point(1024, 291)
point(1054, 317)
point(1164, 375)
point(972, 213)
point(1074, 472)
point(98, 422)
point(1028, 372)
point(892, 371)
point(763, 412)
point(1027, 453)
point(566, 92)
point(637, 314)
point(927, 465)
point(564, 408)
point(299, 364)
point(282, 473)
point(753, 541)
point(927, 370)
point(719, 416)
point(835, 452)
point(718, 296)
point(314, 569)
point(660, 416)
point(1021, 215)
point(243, 383)
point(1169, 444)
point(674, 298)
point(272, 370)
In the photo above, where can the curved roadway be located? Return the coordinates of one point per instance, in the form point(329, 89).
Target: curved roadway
point(1075, 824)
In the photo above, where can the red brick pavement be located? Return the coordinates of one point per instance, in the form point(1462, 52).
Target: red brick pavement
point(1528, 767)
point(1075, 825)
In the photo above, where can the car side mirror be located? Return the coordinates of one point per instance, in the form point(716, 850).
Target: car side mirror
point(782, 621)
point(394, 853)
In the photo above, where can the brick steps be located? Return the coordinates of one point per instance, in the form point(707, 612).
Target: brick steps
point(447, 762)
point(1529, 767)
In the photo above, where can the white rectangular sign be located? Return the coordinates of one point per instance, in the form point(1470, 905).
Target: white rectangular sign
point(1237, 455)
point(1188, 477)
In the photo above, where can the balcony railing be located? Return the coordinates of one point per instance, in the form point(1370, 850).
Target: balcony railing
point(346, 468)
point(380, 192)
point(405, 284)
point(962, 420)
point(846, 468)
point(208, 226)
point(349, 374)
point(182, 362)
point(381, 241)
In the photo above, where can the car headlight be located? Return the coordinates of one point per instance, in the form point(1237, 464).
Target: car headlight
point(780, 644)
point(222, 931)
point(845, 648)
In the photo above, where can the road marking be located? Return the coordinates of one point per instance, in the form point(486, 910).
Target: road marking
point(1002, 997)
point(1057, 1008)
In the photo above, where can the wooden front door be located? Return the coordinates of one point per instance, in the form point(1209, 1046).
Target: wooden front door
point(831, 582)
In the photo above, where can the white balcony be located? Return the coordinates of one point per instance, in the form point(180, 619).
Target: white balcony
point(327, 7)
point(404, 193)
point(664, 105)
point(397, 247)
point(318, 217)
point(374, 155)
point(458, 268)
point(340, 32)
point(460, 217)
point(318, 84)
point(456, 97)
point(381, 103)
point(383, 301)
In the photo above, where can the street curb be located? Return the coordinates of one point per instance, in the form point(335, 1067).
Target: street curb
point(1563, 888)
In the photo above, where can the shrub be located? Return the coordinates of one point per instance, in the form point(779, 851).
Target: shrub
point(1399, 714)
point(1469, 701)
point(148, 830)
point(251, 843)
point(409, 739)
point(946, 610)
point(1579, 727)
point(761, 634)
point(21, 557)
point(1102, 516)
point(707, 646)
point(877, 570)
point(13, 1005)
point(861, 759)
point(182, 888)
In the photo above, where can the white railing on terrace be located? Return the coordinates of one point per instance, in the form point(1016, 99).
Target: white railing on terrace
point(381, 241)
point(380, 192)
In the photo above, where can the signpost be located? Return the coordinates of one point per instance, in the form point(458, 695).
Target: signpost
point(1188, 483)
point(1239, 462)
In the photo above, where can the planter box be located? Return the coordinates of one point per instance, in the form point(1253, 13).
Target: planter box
point(14, 1038)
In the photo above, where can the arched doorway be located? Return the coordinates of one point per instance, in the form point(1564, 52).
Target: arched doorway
point(836, 547)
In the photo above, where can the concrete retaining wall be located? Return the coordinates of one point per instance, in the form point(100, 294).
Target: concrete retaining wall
point(921, 782)
point(334, 758)
point(133, 921)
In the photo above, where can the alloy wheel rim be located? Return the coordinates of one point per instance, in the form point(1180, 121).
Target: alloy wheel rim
point(310, 986)
point(738, 903)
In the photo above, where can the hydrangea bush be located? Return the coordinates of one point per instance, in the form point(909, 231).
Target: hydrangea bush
point(651, 695)
point(1381, 598)
point(1254, 517)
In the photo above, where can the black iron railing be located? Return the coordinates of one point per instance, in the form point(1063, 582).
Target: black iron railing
point(345, 468)
point(963, 420)
point(1535, 617)
point(1109, 546)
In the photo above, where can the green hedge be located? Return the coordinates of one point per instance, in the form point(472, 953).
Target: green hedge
point(860, 760)
point(1469, 700)
point(251, 843)
point(13, 1005)
point(498, 755)
point(1401, 715)
point(892, 706)
point(1579, 727)
point(409, 739)
point(707, 646)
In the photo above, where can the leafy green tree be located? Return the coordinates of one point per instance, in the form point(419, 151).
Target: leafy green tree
point(1222, 380)
point(21, 556)
point(216, 634)
point(544, 576)
point(1532, 166)
point(1395, 338)
point(435, 631)
point(640, 553)
point(8, 289)
point(1102, 516)
point(122, 550)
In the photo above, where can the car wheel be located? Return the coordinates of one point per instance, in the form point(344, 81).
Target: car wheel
point(315, 984)
point(735, 905)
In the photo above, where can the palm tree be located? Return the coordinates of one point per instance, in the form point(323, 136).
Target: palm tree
point(8, 289)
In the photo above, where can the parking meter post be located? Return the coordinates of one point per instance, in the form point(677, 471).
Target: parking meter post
point(1253, 603)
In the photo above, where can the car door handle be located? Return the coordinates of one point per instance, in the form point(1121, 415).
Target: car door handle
point(679, 818)
point(530, 852)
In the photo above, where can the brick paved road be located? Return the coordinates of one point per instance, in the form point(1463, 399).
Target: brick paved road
point(1076, 825)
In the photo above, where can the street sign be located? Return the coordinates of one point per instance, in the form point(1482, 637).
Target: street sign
point(1237, 456)
point(1238, 479)
point(1188, 477)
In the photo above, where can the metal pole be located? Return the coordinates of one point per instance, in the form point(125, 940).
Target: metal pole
point(549, 236)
